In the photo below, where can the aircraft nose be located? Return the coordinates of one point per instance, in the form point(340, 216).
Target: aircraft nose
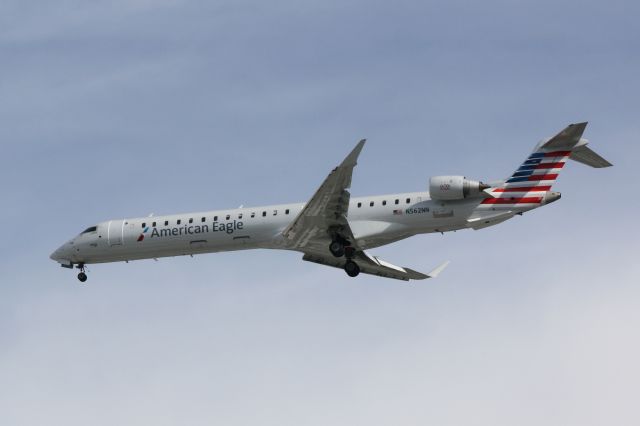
point(60, 255)
point(55, 255)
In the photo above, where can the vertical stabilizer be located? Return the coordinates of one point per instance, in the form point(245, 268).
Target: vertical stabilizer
point(540, 170)
point(531, 183)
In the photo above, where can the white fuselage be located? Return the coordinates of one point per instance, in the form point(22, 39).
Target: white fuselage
point(375, 221)
point(335, 229)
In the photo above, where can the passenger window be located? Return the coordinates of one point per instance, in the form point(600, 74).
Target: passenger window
point(190, 220)
point(384, 202)
point(144, 225)
point(228, 216)
point(408, 200)
point(253, 214)
point(359, 205)
point(166, 223)
point(240, 216)
point(203, 219)
point(397, 201)
point(371, 204)
point(154, 224)
point(264, 214)
point(179, 221)
point(215, 218)
point(275, 212)
point(286, 211)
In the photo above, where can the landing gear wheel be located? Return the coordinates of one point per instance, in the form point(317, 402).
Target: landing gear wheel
point(336, 248)
point(351, 268)
point(82, 277)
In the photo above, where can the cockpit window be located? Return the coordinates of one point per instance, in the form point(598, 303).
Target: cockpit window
point(90, 229)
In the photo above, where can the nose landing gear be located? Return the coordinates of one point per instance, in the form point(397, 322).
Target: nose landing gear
point(82, 276)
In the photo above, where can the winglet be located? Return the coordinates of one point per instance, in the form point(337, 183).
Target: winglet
point(352, 158)
point(437, 270)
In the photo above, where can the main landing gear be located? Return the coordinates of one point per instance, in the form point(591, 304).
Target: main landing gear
point(82, 276)
point(339, 249)
point(351, 268)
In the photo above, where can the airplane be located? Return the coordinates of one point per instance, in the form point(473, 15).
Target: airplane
point(333, 228)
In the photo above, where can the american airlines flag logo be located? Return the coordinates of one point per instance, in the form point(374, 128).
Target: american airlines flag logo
point(141, 237)
point(397, 212)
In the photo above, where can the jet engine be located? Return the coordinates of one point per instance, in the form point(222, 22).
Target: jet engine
point(454, 188)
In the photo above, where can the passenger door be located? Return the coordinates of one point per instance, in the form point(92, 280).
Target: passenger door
point(115, 232)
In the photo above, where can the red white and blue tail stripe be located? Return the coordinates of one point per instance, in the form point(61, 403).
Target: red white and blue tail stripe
point(528, 185)
point(539, 168)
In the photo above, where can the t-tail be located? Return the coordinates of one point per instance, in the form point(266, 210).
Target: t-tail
point(530, 185)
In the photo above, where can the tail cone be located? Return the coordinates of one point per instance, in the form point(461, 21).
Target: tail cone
point(551, 196)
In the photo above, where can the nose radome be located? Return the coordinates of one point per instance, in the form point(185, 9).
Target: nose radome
point(60, 255)
point(56, 255)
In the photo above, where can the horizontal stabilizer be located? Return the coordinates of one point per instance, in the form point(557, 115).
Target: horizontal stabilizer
point(585, 155)
point(567, 138)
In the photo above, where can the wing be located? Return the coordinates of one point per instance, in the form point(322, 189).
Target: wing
point(375, 266)
point(325, 215)
point(324, 218)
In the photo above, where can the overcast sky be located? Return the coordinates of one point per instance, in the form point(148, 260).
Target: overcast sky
point(124, 108)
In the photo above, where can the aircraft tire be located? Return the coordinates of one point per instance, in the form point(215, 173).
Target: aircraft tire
point(336, 248)
point(351, 268)
point(82, 277)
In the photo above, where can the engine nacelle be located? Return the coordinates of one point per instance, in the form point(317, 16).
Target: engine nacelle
point(454, 188)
